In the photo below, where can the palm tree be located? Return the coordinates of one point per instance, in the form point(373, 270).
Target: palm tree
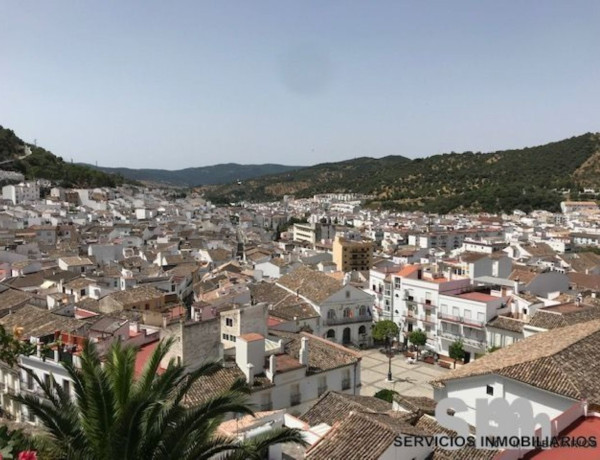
point(115, 416)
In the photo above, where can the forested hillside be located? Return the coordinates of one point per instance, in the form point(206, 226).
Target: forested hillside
point(42, 164)
point(203, 175)
point(526, 179)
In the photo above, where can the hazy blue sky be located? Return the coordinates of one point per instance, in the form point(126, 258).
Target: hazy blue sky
point(177, 84)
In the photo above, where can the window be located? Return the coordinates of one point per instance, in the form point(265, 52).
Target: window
point(348, 313)
point(225, 336)
point(489, 390)
point(322, 387)
point(295, 396)
point(330, 314)
point(347, 294)
point(82, 292)
point(229, 322)
point(524, 311)
point(362, 311)
point(346, 380)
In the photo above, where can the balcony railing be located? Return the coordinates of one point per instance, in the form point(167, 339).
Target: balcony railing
point(475, 343)
point(349, 319)
point(295, 399)
point(345, 384)
point(427, 305)
point(461, 319)
point(450, 335)
point(449, 317)
point(429, 319)
point(473, 322)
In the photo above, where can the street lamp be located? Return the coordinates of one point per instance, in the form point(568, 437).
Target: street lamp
point(390, 355)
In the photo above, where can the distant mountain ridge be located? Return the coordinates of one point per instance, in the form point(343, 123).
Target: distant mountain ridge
point(526, 179)
point(203, 175)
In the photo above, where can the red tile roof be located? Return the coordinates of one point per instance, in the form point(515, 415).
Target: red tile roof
point(251, 337)
point(143, 356)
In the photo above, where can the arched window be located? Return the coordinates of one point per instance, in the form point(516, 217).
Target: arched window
point(348, 313)
point(330, 314)
point(362, 330)
point(362, 311)
point(331, 334)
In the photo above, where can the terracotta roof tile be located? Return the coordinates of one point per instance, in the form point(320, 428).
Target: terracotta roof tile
point(556, 361)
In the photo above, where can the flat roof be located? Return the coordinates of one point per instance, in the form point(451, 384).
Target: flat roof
point(495, 280)
point(251, 337)
point(477, 296)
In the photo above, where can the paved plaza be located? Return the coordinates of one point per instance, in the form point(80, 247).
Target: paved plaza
point(408, 379)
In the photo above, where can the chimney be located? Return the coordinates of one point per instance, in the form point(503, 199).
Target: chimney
point(250, 354)
point(272, 367)
point(250, 374)
point(516, 286)
point(303, 358)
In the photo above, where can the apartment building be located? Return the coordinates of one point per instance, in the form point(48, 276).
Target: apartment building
point(464, 317)
point(416, 301)
point(284, 371)
point(313, 233)
point(25, 191)
point(449, 240)
point(241, 320)
point(352, 255)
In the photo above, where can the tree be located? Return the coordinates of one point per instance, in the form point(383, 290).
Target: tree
point(386, 395)
point(113, 415)
point(385, 330)
point(418, 338)
point(457, 351)
point(11, 346)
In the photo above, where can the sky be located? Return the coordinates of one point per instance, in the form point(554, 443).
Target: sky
point(170, 85)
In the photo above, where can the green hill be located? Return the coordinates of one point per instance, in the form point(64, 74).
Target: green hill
point(526, 179)
point(204, 175)
point(38, 163)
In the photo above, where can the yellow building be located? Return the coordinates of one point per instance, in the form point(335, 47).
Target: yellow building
point(350, 255)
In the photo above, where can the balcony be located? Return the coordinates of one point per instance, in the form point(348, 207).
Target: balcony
point(349, 320)
point(345, 384)
point(451, 318)
point(295, 399)
point(473, 323)
point(427, 319)
point(475, 342)
point(450, 335)
point(427, 305)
